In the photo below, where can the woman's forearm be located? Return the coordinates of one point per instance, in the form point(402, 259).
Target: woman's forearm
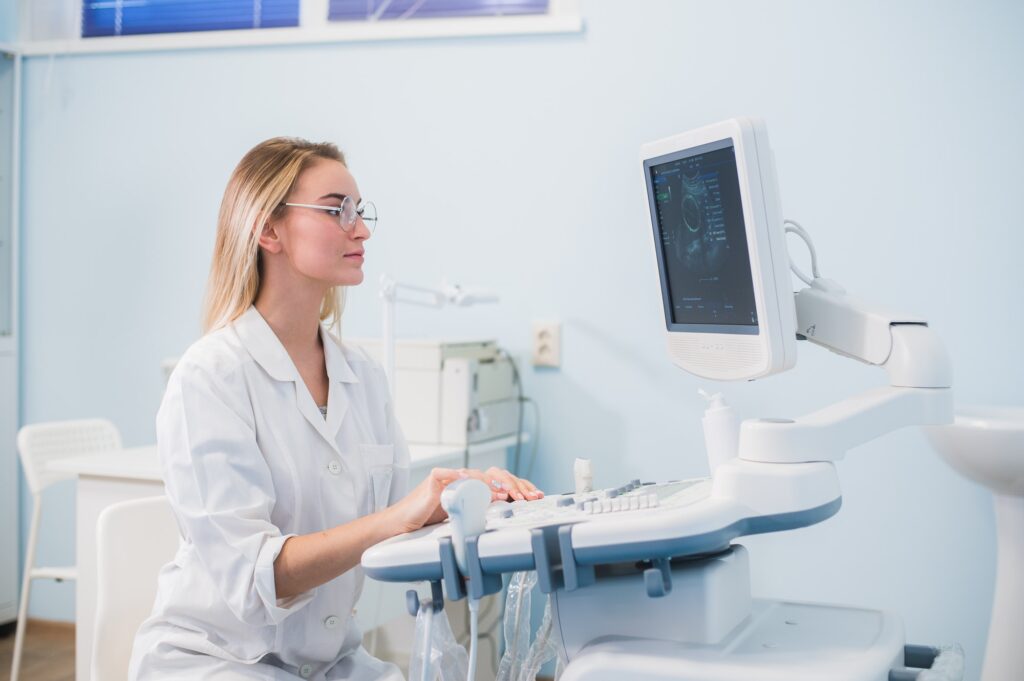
point(309, 560)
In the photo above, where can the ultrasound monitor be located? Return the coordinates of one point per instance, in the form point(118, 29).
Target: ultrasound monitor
point(720, 248)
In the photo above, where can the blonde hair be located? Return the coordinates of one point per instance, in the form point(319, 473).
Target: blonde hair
point(258, 185)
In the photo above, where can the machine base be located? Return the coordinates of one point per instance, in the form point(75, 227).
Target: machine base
point(780, 641)
point(707, 599)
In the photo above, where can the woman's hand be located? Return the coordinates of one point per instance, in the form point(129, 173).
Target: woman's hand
point(508, 487)
point(422, 506)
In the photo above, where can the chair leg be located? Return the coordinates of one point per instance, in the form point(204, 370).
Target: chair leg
point(26, 586)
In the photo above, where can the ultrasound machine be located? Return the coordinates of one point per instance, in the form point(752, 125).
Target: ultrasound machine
point(646, 580)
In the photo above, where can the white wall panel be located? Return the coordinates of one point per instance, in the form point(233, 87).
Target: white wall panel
point(8, 346)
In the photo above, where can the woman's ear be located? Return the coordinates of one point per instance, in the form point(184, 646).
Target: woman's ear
point(269, 239)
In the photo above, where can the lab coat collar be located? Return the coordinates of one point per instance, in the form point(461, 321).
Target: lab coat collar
point(338, 371)
point(265, 347)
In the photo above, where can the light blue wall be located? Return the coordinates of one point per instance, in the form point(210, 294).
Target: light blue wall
point(8, 20)
point(512, 163)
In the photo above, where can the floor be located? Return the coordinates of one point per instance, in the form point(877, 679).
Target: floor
point(49, 653)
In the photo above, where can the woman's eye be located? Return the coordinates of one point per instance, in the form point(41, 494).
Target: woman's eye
point(333, 212)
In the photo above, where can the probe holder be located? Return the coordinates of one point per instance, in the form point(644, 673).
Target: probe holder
point(477, 583)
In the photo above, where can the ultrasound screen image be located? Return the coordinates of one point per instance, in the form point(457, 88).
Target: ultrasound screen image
point(702, 239)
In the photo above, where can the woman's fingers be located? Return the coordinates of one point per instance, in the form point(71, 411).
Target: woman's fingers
point(445, 476)
point(517, 488)
point(499, 491)
point(503, 484)
point(442, 477)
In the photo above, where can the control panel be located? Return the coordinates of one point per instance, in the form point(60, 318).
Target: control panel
point(633, 496)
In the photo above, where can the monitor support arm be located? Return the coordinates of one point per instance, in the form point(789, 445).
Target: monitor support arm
point(919, 390)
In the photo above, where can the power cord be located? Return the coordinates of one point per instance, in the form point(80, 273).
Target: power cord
point(519, 418)
point(536, 434)
point(793, 227)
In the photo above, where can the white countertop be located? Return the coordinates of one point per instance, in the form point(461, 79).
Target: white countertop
point(142, 463)
point(137, 463)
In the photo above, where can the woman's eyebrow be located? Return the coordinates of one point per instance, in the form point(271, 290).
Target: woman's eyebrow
point(340, 197)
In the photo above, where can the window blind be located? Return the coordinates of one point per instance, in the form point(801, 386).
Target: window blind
point(133, 17)
point(372, 10)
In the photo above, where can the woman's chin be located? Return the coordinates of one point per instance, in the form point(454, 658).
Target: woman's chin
point(351, 278)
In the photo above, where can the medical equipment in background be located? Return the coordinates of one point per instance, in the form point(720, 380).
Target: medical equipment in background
point(451, 392)
point(393, 292)
point(460, 392)
point(644, 579)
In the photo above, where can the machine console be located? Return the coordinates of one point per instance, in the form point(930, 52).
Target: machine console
point(631, 498)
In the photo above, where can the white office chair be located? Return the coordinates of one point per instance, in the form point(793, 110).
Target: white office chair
point(134, 539)
point(39, 445)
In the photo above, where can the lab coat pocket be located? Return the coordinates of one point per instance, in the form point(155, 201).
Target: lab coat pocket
point(380, 460)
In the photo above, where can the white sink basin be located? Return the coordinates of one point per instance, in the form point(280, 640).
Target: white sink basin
point(986, 445)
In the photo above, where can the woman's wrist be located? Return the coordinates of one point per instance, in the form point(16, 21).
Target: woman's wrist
point(391, 523)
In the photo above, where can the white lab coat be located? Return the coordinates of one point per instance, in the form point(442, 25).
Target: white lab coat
point(248, 461)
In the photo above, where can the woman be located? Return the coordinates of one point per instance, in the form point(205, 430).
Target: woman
point(279, 449)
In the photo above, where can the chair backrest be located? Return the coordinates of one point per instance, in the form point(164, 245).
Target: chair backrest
point(40, 444)
point(134, 540)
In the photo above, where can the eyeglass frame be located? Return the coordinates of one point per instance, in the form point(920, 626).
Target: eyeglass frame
point(371, 224)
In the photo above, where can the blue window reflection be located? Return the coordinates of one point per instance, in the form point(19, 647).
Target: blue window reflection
point(133, 17)
point(372, 10)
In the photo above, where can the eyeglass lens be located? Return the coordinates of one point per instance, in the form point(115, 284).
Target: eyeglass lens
point(368, 211)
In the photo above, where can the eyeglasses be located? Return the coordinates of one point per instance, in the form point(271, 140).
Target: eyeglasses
point(346, 213)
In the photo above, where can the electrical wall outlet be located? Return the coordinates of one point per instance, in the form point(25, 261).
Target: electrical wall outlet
point(547, 344)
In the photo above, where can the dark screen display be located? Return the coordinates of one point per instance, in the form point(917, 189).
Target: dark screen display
point(701, 240)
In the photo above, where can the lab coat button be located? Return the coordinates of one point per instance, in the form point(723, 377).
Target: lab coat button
point(331, 621)
point(305, 671)
point(334, 467)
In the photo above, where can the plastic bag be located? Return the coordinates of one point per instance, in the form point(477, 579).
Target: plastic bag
point(542, 650)
point(516, 625)
point(436, 656)
point(522, 661)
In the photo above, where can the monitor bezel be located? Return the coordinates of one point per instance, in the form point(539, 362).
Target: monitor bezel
point(723, 354)
point(666, 296)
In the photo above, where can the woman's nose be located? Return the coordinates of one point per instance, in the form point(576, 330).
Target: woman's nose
point(361, 231)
